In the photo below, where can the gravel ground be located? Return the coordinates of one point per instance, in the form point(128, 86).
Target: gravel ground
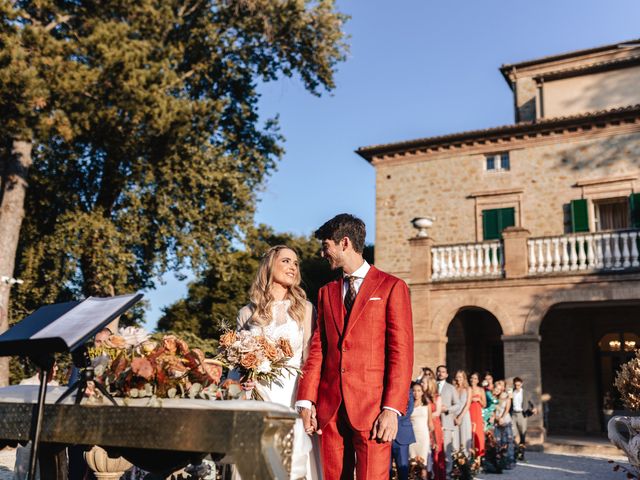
point(539, 466)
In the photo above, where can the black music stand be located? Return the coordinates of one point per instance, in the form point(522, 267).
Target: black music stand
point(62, 327)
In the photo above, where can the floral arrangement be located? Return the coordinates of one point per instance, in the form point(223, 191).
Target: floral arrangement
point(257, 358)
point(463, 467)
point(130, 364)
point(628, 383)
point(495, 457)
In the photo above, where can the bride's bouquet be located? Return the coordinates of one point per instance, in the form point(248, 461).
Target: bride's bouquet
point(257, 358)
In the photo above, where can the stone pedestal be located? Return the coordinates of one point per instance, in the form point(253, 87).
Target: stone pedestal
point(522, 359)
point(420, 252)
point(516, 263)
point(103, 466)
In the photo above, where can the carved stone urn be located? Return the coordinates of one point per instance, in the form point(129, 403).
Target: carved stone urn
point(624, 433)
point(104, 466)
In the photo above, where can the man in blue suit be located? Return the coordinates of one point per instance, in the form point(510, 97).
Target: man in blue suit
point(404, 438)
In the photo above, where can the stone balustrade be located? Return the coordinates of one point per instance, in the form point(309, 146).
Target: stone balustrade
point(472, 260)
point(604, 251)
point(518, 256)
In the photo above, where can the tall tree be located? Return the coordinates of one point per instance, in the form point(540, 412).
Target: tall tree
point(143, 121)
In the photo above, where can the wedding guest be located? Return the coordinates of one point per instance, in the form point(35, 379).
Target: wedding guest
point(437, 439)
point(426, 372)
point(478, 402)
point(502, 422)
point(521, 407)
point(422, 428)
point(451, 406)
point(463, 419)
point(404, 438)
point(491, 401)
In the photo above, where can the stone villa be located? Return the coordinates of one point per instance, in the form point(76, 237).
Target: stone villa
point(531, 267)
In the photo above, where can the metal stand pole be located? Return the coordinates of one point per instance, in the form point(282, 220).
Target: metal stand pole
point(35, 437)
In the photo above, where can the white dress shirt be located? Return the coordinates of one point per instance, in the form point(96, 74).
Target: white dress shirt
point(517, 400)
point(359, 274)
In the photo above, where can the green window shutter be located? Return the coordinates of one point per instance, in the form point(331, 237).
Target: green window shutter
point(494, 221)
point(634, 208)
point(507, 218)
point(490, 227)
point(579, 215)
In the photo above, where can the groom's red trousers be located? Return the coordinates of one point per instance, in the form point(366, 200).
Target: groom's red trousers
point(345, 449)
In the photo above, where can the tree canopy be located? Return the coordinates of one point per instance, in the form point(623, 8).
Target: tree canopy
point(148, 147)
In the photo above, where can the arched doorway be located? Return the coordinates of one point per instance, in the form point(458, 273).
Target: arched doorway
point(474, 342)
point(582, 348)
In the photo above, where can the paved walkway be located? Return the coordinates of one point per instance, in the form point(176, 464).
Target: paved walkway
point(539, 466)
point(546, 466)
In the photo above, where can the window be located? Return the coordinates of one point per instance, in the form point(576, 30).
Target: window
point(494, 221)
point(611, 214)
point(497, 162)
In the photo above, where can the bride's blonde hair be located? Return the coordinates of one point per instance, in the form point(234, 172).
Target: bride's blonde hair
point(260, 291)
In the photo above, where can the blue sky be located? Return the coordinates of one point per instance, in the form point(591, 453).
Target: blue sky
point(415, 69)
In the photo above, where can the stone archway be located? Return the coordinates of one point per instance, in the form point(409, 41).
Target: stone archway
point(474, 342)
point(582, 346)
point(442, 317)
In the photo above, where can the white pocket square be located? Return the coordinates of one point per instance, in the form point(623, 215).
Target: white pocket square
point(375, 298)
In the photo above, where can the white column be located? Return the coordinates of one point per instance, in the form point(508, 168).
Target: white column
point(556, 255)
point(449, 262)
point(456, 261)
point(532, 256)
point(634, 249)
point(540, 256)
point(494, 258)
point(472, 260)
point(615, 239)
point(548, 259)
point(582, 258)
point(599, 252)
point(626, 263)
point(606, 238)
point(487, 259)
point(565, 254)
point(480, 257)
point(435, 263)
point(591, 257)
point(573, 255)
point(465, 262)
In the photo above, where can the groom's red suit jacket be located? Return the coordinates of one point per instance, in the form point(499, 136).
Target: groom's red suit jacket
point(368, 365)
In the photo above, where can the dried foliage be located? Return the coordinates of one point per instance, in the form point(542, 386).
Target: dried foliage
point(628, 383)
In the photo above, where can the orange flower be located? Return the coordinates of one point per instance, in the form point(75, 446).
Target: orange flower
point(249, 360)
point(142, 367)
point(269, 349)
point(285, 346)
point(169, 343)
point(115, 341)
point(228, 339)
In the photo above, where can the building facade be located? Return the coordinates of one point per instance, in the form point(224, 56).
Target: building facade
point(531, 267)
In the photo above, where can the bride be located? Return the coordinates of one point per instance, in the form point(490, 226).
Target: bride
point(279, 308)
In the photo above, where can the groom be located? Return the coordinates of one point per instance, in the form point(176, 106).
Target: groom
point(358, 370)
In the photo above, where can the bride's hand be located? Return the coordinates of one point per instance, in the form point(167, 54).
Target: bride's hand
point(248, 385)
point(314, 420)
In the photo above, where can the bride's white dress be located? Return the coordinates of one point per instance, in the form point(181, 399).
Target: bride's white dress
point(305, 458)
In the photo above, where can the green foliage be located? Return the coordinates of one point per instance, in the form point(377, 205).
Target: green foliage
point(213, 301)
point(148, 145)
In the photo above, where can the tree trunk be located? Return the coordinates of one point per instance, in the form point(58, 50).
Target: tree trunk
point(14, 182)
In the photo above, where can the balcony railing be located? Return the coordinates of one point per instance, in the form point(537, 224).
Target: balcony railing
point(589, 251)
point(473, 260)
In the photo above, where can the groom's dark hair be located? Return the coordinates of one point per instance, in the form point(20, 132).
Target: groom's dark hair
point(344, 225)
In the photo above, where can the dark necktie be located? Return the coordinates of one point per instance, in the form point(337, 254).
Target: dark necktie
point(350, 296)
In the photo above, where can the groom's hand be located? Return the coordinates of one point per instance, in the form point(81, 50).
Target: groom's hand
point(308, 420)
point(385, 428)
